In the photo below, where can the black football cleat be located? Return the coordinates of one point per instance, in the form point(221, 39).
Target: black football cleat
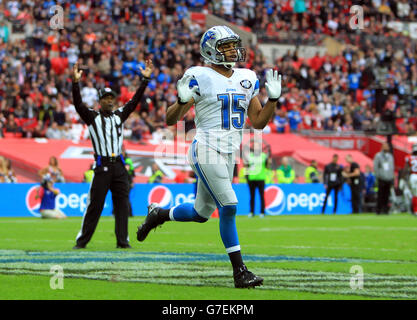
point(246, 279)
point(77, 247)
point(152, 221)
point(124, 246)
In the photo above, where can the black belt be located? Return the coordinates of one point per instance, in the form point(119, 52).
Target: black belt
point(107, 160)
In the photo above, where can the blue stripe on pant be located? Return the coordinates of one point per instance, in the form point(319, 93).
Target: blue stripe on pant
point(201, 174)
point(227, 213)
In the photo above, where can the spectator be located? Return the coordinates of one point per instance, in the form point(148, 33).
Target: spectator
point(19, 112)
point(280, 121)
point(53, 132)
point(137, 126)
point(53, 170)
point(325, 107)
point(354, 80)
point(3, 170)
point(384, 173)
point(10, 174)
point(30, 71)
point(294, 119)
point(38, 131)
point(11, 125)
point(46, 113)
point(329, 125)
point(89, 95)
point(4, 32)
point(285, 173)
point(403, 9)
point(59, 115)
point(149, 125)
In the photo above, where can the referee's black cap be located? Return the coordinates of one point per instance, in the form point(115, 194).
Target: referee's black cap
point(106, 91)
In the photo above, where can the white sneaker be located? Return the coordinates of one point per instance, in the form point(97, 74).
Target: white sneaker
point(250, 215)
point(262, 215)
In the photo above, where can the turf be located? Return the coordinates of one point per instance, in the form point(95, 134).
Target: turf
point(300, 257)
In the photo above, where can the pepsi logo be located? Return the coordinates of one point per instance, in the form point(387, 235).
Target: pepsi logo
point(274, 200)
point(161, 195)
point(33, 204)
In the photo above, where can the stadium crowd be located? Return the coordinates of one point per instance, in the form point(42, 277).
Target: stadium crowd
point(269, 18)
point(111, 38)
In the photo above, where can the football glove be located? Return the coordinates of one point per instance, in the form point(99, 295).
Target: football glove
point(273, 84)
point(184, 92)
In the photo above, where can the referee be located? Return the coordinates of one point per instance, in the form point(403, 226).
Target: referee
point(106, 133)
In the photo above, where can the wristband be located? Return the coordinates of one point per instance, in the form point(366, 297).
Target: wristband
point(273, 100)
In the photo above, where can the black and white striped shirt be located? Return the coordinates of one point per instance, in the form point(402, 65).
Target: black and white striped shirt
point(106, 129)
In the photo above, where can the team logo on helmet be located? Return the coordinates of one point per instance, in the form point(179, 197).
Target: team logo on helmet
point(161, 195)
point(274, 200)
point(210, 35)
point(33, 204)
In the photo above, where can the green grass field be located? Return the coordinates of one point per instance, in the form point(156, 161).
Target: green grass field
point(300, 257)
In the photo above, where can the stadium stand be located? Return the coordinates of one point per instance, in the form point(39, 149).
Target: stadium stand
point(347, 92)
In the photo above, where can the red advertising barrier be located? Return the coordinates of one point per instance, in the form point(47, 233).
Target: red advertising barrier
point(31, 155)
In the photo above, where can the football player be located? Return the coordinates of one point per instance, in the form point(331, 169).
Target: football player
point(224, 96)
point(410, 169)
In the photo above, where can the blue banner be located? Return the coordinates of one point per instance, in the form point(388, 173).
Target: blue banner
point(19, 200)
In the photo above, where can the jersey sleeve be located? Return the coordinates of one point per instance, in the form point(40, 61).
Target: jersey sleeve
point(194, 83)
point(85, 113)
point(131, 105)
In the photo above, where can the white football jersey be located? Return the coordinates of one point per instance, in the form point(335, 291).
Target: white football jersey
point(221, 106)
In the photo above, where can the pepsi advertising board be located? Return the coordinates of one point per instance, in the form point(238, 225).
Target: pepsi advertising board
point(19, 200)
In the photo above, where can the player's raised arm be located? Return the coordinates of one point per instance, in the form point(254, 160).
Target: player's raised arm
point(184, 102)
point(259, 116)
point(131, 105)
point(81, 108)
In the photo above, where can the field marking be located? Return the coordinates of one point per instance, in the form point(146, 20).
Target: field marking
point(8, 256)
point(11, 256)
point(337, 229)
point(198, 274)
point(331, 248)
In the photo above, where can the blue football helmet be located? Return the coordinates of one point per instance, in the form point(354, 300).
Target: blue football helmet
point(211, 41)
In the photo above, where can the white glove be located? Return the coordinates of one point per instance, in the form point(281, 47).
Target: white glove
point(183, 88)
point(273, 84)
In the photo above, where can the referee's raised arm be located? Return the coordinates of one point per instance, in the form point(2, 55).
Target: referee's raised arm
point(130, 106)
point(85, 113)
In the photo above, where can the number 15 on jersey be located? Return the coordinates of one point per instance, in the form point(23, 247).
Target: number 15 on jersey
point(231, 110)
